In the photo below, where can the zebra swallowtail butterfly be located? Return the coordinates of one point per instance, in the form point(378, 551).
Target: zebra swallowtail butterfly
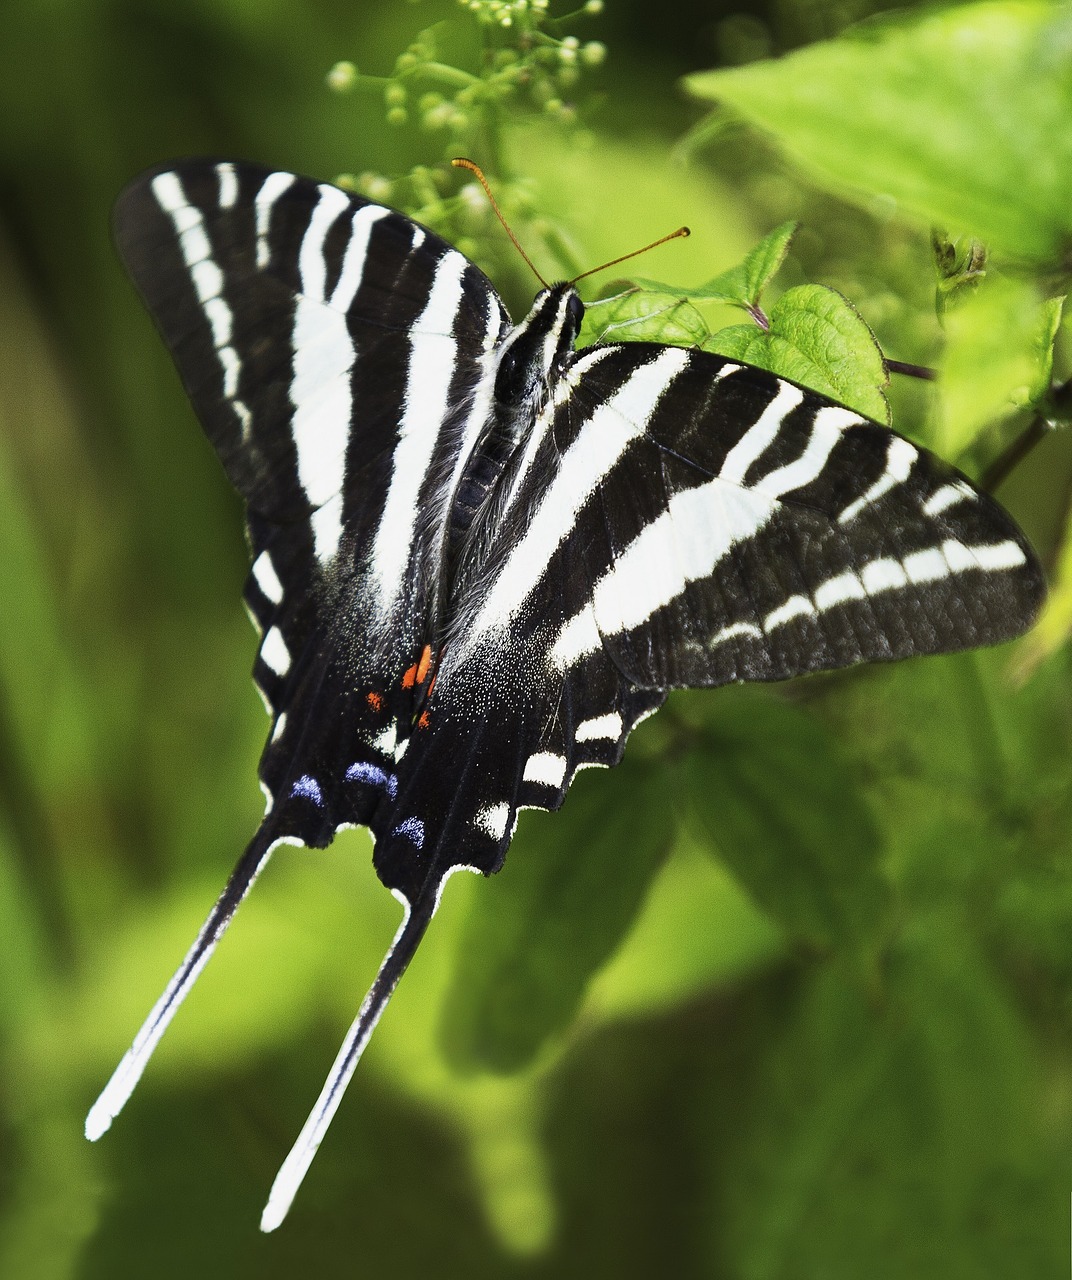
point(480, 557)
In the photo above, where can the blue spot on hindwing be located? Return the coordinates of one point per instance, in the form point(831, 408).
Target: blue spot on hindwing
point(412, 829)
point(309, 788)
point(362, 771)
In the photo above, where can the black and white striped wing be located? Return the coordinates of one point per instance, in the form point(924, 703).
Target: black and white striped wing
point(749, 529)
point(295, 310)
point(337, 355)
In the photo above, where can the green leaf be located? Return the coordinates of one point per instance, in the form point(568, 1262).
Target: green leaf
point(536, 935)
point(894, 1137)
point(640, 315)
point(997, 358)
point(699, 929)
point(1054, 626)
point(744, 284)
point(817, 338)
point(960, 117)
point(776, 798)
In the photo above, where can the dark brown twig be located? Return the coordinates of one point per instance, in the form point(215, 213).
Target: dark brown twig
point(911, 370)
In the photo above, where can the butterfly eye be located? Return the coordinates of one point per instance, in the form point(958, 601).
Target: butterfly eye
point(576, 310)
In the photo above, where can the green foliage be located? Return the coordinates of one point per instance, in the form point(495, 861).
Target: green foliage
point(775, 798)
point(788, 994)
point(815, 337)
point(650, 315)
point(997, 358)
point(959, 116)
point(742, 285)
point(463, 84)
point(530, 948)
point(982, 150)
point(812, 335)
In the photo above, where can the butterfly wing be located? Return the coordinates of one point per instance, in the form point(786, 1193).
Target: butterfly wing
point(335, 353)
point(749, 529)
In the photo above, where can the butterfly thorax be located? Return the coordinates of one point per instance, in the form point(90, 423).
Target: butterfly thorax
point(529, 364)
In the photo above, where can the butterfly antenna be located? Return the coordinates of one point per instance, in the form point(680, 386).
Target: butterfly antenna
point(296, 1165)
point(679, 234)
point(119, 1088)
point(460, 162)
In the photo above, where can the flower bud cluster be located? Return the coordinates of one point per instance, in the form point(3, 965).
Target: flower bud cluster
point(522, 63)
point(505, 13)
point(523, 67)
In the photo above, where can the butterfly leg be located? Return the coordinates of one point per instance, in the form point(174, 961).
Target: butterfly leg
point(126, 1076)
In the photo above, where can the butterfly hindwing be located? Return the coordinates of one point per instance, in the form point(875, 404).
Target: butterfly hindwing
point(461, 783)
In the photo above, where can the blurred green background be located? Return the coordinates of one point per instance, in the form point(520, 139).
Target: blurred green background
point(788, 995)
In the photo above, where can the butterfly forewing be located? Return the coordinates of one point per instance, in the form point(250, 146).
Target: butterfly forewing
point(280, 298)
point(479, 559)
point(753, 530)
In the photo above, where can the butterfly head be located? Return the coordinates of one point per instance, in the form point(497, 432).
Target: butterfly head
point(534, 355)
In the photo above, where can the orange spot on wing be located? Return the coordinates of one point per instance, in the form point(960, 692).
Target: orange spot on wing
point(424, 664)
point(423, 721)
point(375, 701)
point(418, 673)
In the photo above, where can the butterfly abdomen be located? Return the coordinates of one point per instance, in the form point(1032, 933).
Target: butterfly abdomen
point(479, 478)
